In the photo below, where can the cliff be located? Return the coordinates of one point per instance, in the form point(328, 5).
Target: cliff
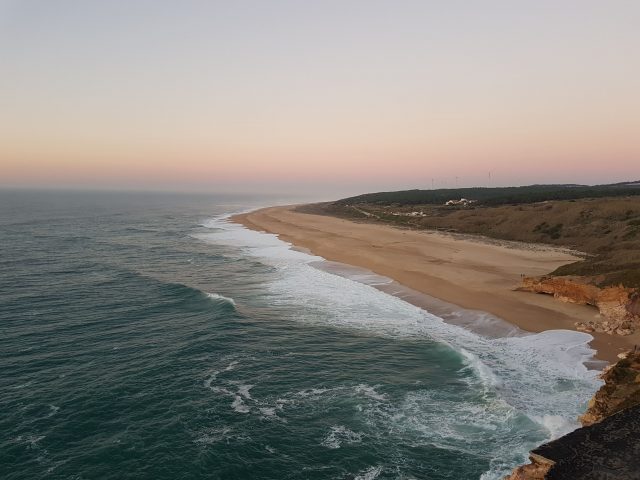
point(619, 306)
point(608, 444)
point(608, 450)
point(536, 470)
point(621, 390)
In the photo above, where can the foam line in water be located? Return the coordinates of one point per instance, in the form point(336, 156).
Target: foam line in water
point(541, 375)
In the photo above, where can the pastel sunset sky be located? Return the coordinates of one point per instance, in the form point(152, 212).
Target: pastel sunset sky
point(328, 95)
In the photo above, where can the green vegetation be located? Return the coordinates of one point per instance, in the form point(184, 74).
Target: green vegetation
point(498, 195)
point(551, 231)
point(601, 221)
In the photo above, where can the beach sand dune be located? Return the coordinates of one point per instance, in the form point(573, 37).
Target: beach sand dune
point(466, 271)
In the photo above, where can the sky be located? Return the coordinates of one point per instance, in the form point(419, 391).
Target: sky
point(324, 96)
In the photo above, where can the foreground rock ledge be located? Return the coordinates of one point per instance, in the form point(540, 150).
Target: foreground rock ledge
point(609, 450)
point(608, 446)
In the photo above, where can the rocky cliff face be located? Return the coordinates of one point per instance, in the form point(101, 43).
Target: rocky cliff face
point(608, 445)
point(619, 306)
point(536, 470)
point(621, 390)
point(607, 450)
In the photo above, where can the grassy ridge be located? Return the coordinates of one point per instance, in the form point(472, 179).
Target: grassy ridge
point(498, 195)
point(602, 221)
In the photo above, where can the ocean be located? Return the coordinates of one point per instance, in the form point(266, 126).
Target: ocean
point(144, 336)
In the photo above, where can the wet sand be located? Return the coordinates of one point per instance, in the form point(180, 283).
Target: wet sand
point(465, 271)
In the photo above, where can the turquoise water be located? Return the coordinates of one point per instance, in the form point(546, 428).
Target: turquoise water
point(144, 336)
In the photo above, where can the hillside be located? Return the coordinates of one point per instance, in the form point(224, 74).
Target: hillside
point(606, 229)
point(497, 195)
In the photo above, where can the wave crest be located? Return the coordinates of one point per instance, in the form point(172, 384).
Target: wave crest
point(221, 298)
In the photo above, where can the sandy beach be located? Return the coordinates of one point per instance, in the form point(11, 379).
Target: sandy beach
point(467, 271)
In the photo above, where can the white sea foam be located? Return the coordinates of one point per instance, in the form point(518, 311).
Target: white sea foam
point(369, 474)
point(370, 392)
point(239, 406)
point(213, 435)
point(222, 390)
point(482, 371)
point(313, 392)
point(540, 375)
point(208, 381)
point(339, 435)
point(33, 440)
point(556, 425)
point(218, 297)
point(231, 366)
point(243, 391)
point(213, 375)
point(268, 411)
point(240, 393)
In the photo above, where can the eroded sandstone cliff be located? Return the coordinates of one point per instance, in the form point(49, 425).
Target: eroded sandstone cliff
point(619, 306)
point(621, 390)
point(536, 470)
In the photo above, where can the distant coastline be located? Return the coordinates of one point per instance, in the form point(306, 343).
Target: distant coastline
point(463, 270)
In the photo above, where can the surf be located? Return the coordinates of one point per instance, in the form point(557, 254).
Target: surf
point(540, 376)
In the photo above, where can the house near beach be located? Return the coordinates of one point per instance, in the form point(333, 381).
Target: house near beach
point(463, 202)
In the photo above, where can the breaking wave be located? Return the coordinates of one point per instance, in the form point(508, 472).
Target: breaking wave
point(541, 376)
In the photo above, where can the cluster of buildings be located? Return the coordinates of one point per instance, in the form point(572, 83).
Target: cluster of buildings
point(462, 202)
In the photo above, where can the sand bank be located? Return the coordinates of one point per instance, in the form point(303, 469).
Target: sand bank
point(471, 273)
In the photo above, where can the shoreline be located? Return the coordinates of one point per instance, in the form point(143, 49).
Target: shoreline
point(466, 272)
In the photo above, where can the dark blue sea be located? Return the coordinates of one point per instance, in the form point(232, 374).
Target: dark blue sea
point(144, 336)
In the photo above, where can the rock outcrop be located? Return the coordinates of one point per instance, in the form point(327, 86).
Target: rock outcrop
point(608, 450)
point(608, 445)
point(536, 470)
point(621, 390)
point(619, 306)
